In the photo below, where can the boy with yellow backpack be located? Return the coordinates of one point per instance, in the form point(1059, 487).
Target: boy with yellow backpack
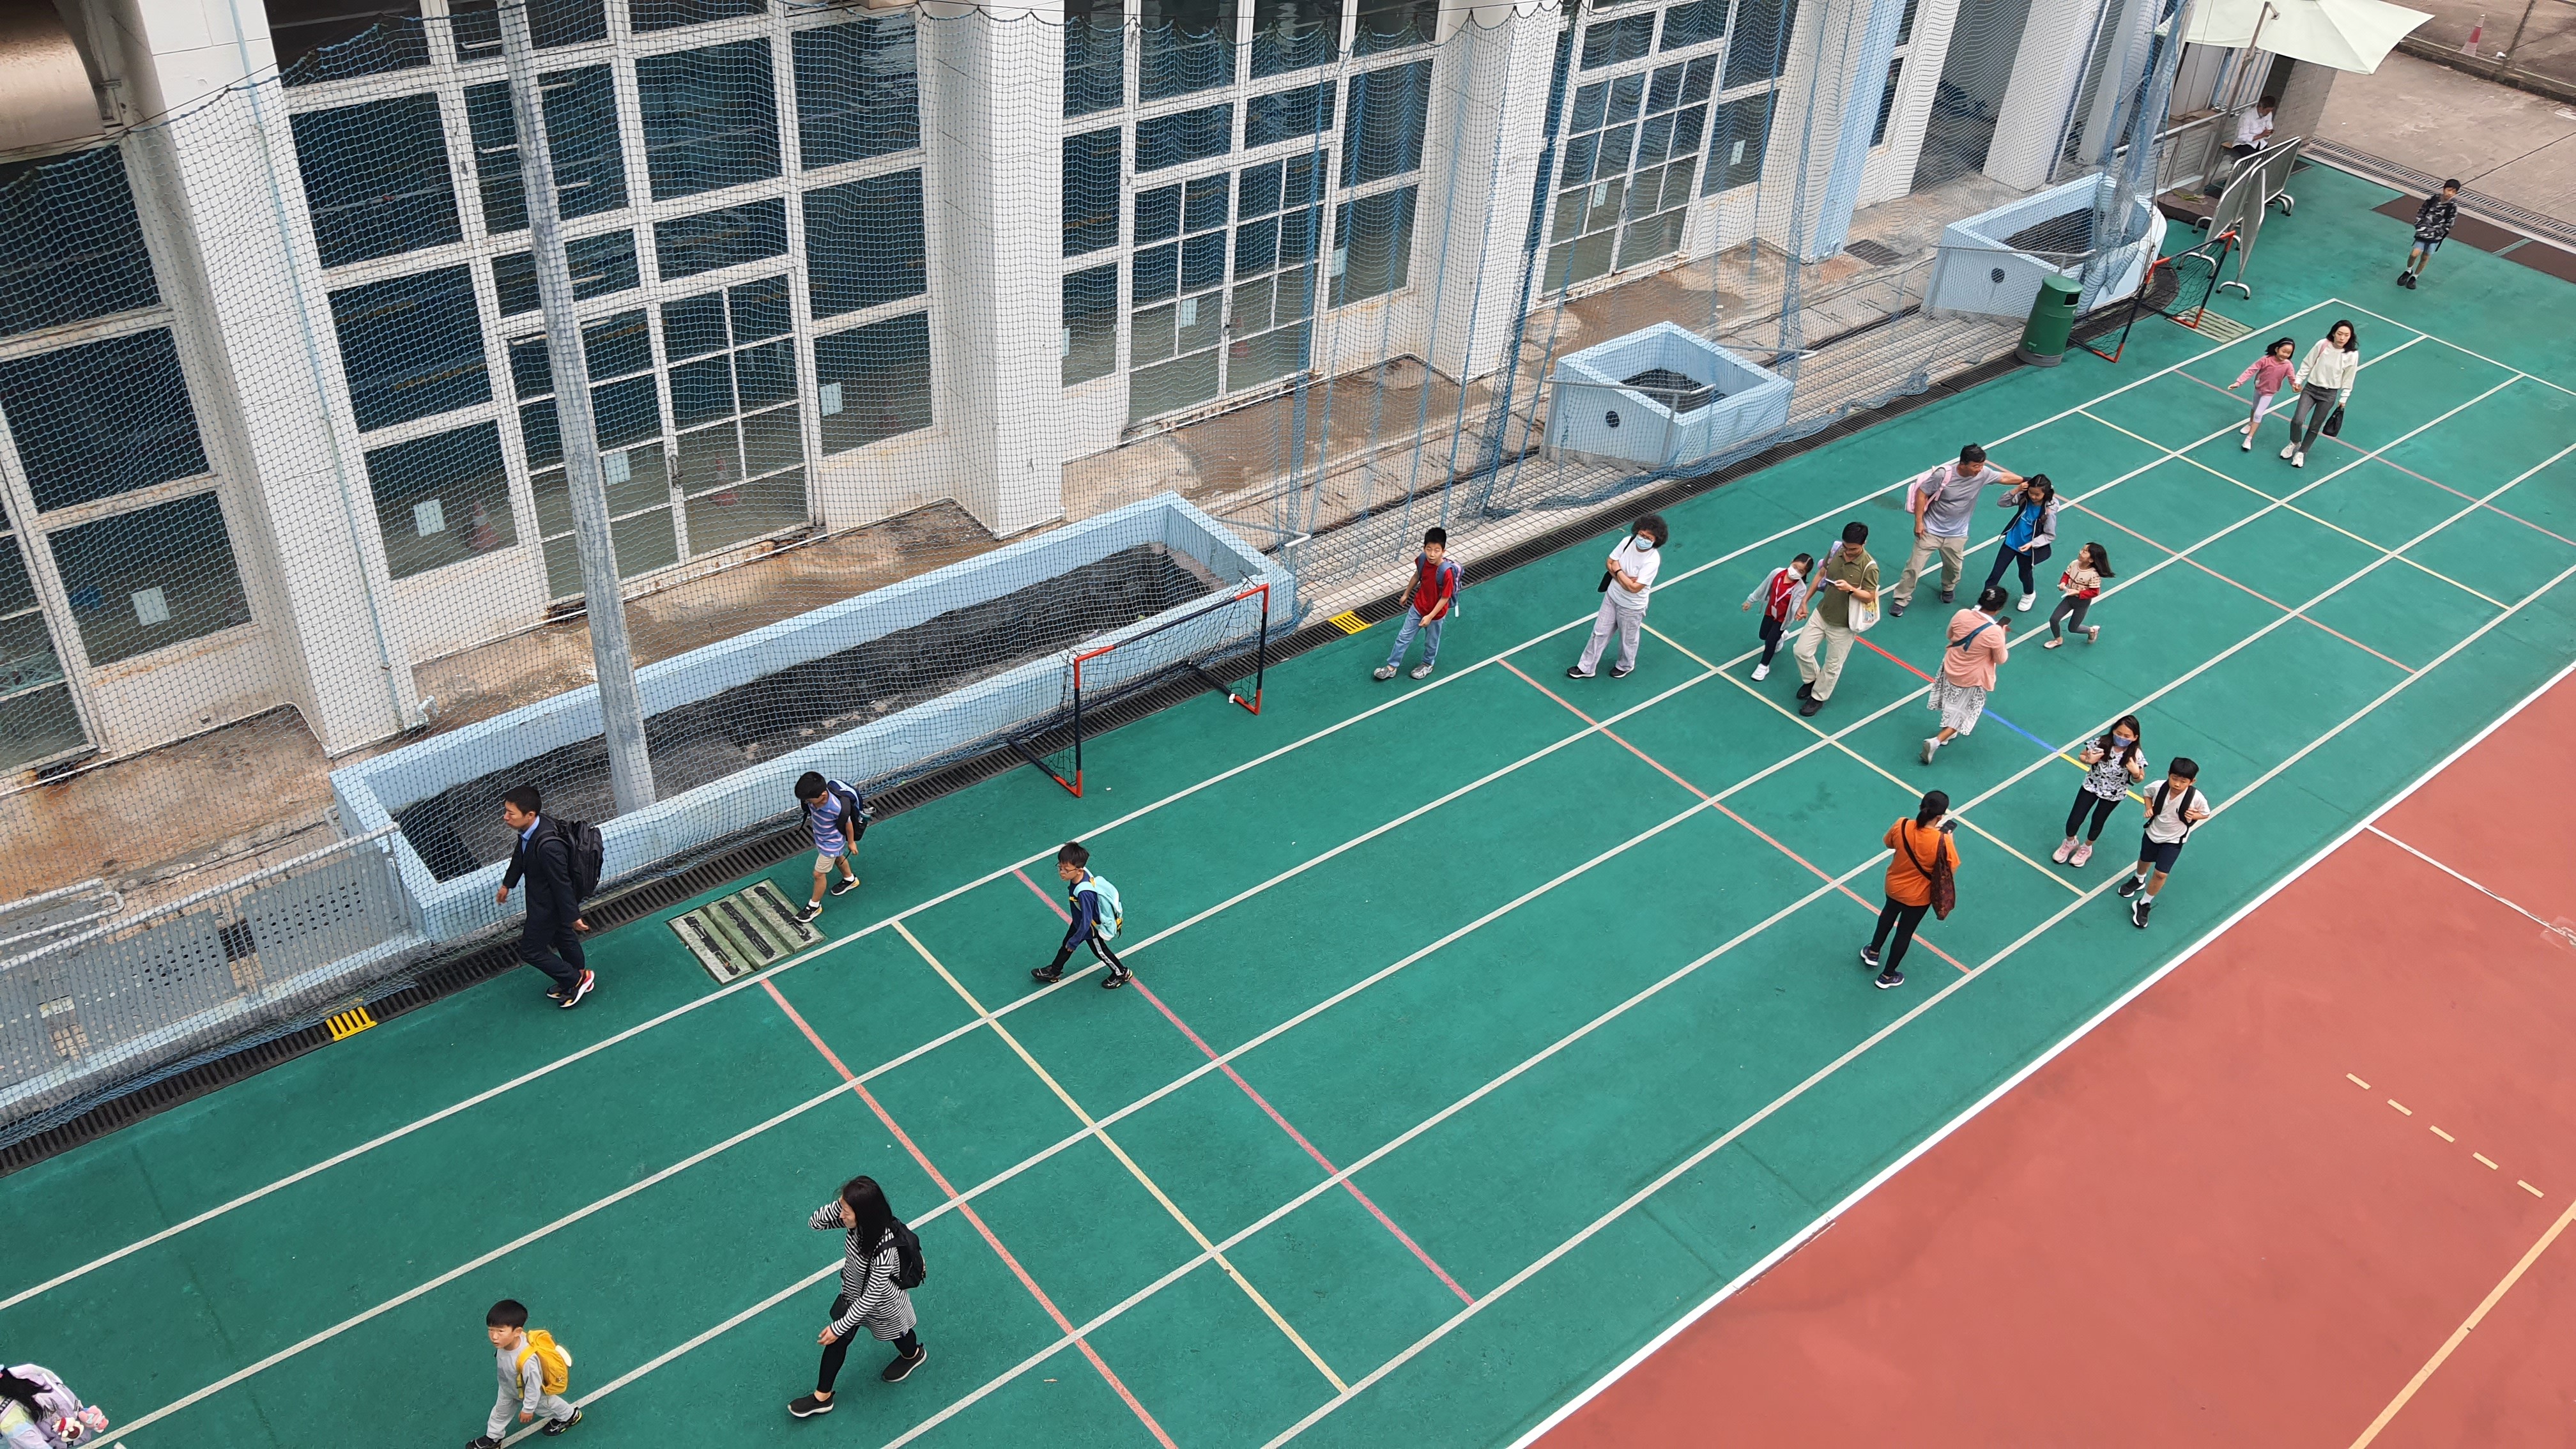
point(535, 1371)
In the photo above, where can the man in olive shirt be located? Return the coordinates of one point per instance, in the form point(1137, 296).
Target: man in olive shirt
point(1847, 575)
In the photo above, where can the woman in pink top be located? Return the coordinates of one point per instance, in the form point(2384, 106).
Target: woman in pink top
point(2269, 373)
point(1967, 674)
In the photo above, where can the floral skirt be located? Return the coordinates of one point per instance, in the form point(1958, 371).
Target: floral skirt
point(1959, 705)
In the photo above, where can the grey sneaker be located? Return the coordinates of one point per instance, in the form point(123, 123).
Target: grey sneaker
point(1422, 671)
point(1383, 671)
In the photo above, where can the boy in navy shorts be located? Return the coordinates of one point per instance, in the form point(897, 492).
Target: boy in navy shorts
point(2173, 808)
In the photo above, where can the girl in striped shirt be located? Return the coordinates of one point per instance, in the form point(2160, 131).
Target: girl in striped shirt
point(868, 1298)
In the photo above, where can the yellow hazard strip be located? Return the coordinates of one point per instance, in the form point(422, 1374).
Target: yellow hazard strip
point(347, 1024)
point(1348, 622)
point(1205, 1245)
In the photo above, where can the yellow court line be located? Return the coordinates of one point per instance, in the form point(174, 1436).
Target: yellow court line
point(2460, 1335)
point(1205, 1245)
point(2284, 503)
point(1898, 780)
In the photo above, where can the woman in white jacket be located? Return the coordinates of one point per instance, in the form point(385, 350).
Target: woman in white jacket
point(2325, 381)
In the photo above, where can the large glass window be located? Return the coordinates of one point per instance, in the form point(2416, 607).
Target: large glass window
point(863, 243)
point(1373, 245)
point(1694, 22)
point(1609, 42)
point(327, 40)
point(1285, 115)
point(151, 578)
point(652, 15)
point(1740, 134)
point(856, 91)
point(1383, 123)
point(1091, 182)
point(1095, 56)
point(685, 246)
point(1183, 46)
point(477, 24)
point(1887, 102)
point(1625, 173)
point(1176, 293)
point(1385, 25)
point(581, 142)
point(1759, 49)
point(102, 418)
point(1090, 345)
point(1176, 140)
point(600, 265)
point(411, 346)
point(1278, 229)
point(1294, 34)
point(741, 452)
point(441, 499)
point(627, 414)
point(873, 382)
point(710, 120)
point(37, 718)
point(375, 178)
point(72, 244)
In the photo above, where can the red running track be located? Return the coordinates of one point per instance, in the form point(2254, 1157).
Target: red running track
point(2196, 1226)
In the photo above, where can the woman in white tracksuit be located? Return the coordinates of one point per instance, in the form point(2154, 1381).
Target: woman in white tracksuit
point(2325, 384)
point(1625, 584)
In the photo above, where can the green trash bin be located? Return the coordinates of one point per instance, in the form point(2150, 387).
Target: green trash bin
point(2052, 318)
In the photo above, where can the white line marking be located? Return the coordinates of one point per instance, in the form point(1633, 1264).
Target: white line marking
point(2457, 876)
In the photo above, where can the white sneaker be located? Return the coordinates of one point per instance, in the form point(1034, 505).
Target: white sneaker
point(1931, 747)
point(2248, 445)
point(2300, 461)
point(2287, 449)
point(1422, 670)
point(1383, 671)
point(1761, 671)
point(2024, 605)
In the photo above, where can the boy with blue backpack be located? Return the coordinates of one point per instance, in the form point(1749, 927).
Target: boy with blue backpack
point(837, 815)
point(1097, 918)
point(1433, 600)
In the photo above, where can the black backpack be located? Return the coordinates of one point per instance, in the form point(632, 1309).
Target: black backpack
point(584, 852)
point(909, 1270)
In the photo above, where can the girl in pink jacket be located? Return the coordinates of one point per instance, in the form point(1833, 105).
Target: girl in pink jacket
point(2269, 373)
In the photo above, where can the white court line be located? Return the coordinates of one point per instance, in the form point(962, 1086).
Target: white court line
point(2495, 896)
point(2455, 347)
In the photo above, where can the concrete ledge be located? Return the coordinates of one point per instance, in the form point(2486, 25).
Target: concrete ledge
point(1597, 413)
point(1980, 274)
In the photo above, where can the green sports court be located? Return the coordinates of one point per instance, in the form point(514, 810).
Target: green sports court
point(1487, 1025)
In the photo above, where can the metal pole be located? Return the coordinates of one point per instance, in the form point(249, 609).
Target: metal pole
point(2506, 58)
point(630, 770)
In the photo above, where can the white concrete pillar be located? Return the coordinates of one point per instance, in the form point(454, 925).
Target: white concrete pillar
point(1489, 124)
point(2048, 66)
point(255, 315)
point(992, 84)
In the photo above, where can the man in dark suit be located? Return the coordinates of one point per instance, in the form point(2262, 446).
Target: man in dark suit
point(543, 858)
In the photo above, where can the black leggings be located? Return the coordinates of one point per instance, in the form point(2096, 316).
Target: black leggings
point(1770, 630)
point(2071, 608)
point(1902, 919)
point(2101, 808)
point(839, 1348)
point(2006, 553)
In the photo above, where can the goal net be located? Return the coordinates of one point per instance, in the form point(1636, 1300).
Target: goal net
point(1223, 647)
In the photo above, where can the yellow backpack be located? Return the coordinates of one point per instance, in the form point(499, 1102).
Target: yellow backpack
point(556, 1358)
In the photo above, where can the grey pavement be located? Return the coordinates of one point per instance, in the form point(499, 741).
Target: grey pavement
point(2511, 144)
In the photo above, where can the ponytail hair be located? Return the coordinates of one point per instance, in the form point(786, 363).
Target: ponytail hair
point(1935, 805)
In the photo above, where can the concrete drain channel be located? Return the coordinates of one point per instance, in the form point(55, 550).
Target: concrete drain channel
point(750, 930)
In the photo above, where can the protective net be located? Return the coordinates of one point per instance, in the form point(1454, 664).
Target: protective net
point(863, 294)
point(1221, 645)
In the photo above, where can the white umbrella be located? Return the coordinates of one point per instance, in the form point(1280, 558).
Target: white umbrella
point(2353, 35)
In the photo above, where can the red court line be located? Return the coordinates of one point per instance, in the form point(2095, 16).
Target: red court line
point(990, 1238)
point(2224, 579)
point(2409, 472)
point(1263, 1103)
point(1720, 807)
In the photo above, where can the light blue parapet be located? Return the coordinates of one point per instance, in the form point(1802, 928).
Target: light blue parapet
point(1977, 275)
point(1594, 412)
point(977, 714)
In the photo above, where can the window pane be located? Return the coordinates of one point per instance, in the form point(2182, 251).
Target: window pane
point(1393, 24)
point(1204, 207)
point(747, 510)
point(1269, 355)
point(1293, 34)
point(38, 724)
point(873, 381)
point(1613, 41)
point(154, 577)
point(1887, 102)
point(863, 243)
point(702, 391)
point(441, 499)
point(760, 309)
point(375, 178)
point(1740, 132)
point(1090, 324)
point(1305, 111)
point(856, 90)
point(101, 419)
point(709, 118)
point(1158, 214)
point(764, 376)
point(70, 221)
point(600, 265)
point(411, 346)
point(1382, 130)
point(1258, 187)
point(1625, 92)
point(771, 441)
point(1183, 46)
point(694, 326)
point(710, 458)
point(1090, 191)
point(335, 45)
point(1372, 245)
point(630, 478)
point(651, 15)
point(1202, 262)
point(550, 22)
point(1095, 56)
point(1759, 48)
point(1157, 274)
point(644, 542)
point(1692, 23)
point(1187, 136)
point(626, 412)
point(616, 346)
point(1150, 336)
point(581, 140)
point(1172, 386)
point(1590, 103)
point(689, 245)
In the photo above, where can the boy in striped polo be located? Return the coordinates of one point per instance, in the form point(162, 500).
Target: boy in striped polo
point(837, 817)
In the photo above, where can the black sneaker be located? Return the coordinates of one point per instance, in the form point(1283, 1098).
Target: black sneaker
point(844, 887)
point(1048, 974)
point(1869, 957)
point(2130, 886)
point(1896, 608)
point(809, 912)
point(1948, 594)
point(557, 1426)
point(808, 1406)
point(2138, 913)
point(1576, 672)
point(1622, 671)
point(1888, 978)
point(2402, 276)
point(904, 1364)
point(1807, 690)
point(1808, 706)
point(580, 989)
point(1114, 980)
point(482, 1441)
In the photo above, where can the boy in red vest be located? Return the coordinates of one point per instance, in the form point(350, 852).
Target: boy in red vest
point(1780, 594)
point(1435, 594)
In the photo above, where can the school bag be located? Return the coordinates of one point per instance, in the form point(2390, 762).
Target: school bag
point(852, 802)
point(1446, 573)
point(585, 852)
point(556, 1358)
point(909, 1269)
point(2182, 817)
point(1113, 915)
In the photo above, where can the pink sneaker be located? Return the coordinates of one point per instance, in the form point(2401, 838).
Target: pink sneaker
point(2064, 849)
point(2082, 854)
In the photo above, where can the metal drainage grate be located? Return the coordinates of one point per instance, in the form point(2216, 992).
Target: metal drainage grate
point(750, 930)
point(1877, 254)
point(2219, 329)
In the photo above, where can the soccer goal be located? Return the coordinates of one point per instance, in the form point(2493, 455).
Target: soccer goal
point(1223, 646)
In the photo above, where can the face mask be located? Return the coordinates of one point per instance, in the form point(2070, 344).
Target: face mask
point(1641, 543)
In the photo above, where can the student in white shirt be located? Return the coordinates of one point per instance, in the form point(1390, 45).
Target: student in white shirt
point(2253, 129)
point(1624, 589)
point(2325, 384)
point(2173, 808)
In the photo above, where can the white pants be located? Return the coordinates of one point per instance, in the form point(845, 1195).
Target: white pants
point(1627, 621)
point(505, 1412)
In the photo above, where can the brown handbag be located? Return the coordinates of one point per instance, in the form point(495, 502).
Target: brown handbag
point(1945, 886)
